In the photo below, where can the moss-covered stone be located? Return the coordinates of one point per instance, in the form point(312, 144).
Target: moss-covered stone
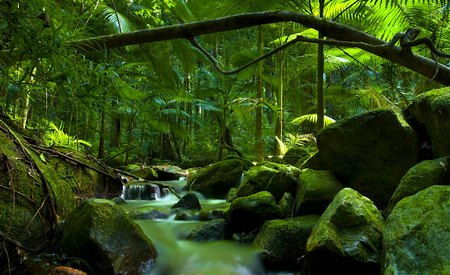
point(370, 152)
point(421, 176)
point(100, 232)
point(416, 236)
point(273, 177)
point(432, 109)
point(249, 213)
point(216, 180)
point(315, 191)
point(214, 230)
point(296, 155)
point(283, 242)
point(347, 236)
point(255, 180)
point(148, 213)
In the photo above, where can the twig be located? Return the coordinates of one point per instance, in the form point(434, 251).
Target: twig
point(120, 153)
point(245, 66)
point(74, 160)
point(19, 193)
point(14, 242)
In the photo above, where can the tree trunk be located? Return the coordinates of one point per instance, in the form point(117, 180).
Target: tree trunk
point(259, 150)
point(101, 143)
point(340, 33)
point(279, 122)
point(320, 67)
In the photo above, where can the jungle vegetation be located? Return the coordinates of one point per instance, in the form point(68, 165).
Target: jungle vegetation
point(135, 80)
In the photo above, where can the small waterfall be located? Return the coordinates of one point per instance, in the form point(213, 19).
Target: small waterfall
point(148, 191)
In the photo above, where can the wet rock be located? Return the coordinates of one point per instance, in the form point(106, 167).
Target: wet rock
point(216, 180)
point(211, 215)
point(118, 201)
point(370, 152)
point(416, 235)
point(432, 109)
point(421, 176)
point(147, 213)
point(315, 192)
point(188, 201)
point(214, 230)
point(283, 242)
point(100, 232)
point(249, 213)
point(347, 237)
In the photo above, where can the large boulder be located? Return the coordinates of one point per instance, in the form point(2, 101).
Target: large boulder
point(100, 232)
point(39, 187)
point(273, 177)
point(421, 176)
point(315, 191)
point(370, 152)
point(249, 213)
point(347, 237)
point(416, 238)
point(283, 242)
point(432, 109)
point(216, 180)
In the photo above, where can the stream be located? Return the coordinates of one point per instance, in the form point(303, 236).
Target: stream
point(176, 254)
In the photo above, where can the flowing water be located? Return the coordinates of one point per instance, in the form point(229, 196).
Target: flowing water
point(176, 255)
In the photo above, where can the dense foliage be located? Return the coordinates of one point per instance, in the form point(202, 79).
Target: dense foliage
point(166, 100)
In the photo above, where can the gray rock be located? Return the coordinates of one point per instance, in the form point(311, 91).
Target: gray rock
point(101, 232)
point(188, 201)
point(370, 152)
point(416, 237)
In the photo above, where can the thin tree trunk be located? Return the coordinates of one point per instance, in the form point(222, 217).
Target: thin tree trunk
point(280, 95)
point(101, 143)
point(259, 150)
point(320, 67)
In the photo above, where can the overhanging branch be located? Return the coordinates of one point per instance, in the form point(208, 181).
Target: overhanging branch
point(340, 33)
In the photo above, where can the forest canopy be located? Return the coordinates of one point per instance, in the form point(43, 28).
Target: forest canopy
point(180, 80)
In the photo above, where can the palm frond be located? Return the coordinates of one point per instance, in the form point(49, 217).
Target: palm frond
point(311, 118)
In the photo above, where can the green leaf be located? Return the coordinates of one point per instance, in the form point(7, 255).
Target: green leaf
point(42, 157)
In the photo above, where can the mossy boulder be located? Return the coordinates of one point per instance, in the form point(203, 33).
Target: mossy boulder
point(249, 213)
point(370, 152)
point(216, 180)
point(315, 191)
point(283, 242)
point(432, 109)
point(268, 176)
point(214, 230)
point(421, 176)
point(40, 186)
point(100, 232)
point(347, 236)
point(416, 236)
point(296, 155)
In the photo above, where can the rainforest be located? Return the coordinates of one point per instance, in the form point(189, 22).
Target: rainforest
point(224, 137)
